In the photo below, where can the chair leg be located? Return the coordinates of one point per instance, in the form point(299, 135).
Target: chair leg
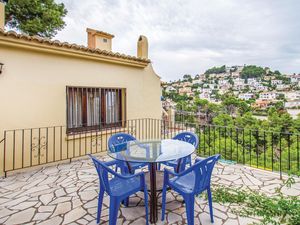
point(210, 205)
point(114, 206)
point(189, 205)
point(100, 201)
point(125, 202)
point(163, 202)
point(146, 203)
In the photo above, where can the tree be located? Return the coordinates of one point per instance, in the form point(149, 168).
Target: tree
point(217, 70)
point(200, 102)
point(276, 72)
point(223, 120)
point(35, 17)
point(252, 72)
point(231, 104)
point(187, 77)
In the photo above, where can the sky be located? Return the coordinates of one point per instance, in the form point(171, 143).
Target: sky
point(188, 37)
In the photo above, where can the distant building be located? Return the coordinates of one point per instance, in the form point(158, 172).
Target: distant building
point(276, 82)
point(187, 84)
point(261, 104)
point(185, 90)
point(292, 103)
point(281, 87)
point(205, 95)
point(267, 96)
point(252, 81)
point(223, 82)
point(170, 88)
point(246, 96)
point(291, 95)
point(260, 87)
point(197, 82)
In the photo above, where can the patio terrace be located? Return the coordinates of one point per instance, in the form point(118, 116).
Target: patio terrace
point(67, 194)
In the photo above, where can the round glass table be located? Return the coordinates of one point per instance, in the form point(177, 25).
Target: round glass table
point(152, 152)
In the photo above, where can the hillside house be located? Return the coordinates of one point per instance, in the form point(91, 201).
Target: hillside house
point(45, 83)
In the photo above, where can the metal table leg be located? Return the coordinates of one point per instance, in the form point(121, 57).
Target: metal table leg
point(177, 170)
point(153, 198)
point(129, 167)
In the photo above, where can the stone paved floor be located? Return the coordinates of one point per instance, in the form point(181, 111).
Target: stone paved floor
point(67, 194)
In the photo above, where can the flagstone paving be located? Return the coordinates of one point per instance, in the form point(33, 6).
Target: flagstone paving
point(67, 194)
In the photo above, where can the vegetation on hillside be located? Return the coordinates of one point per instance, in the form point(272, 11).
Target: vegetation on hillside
point(252, 71)
point(217, 70)
point(231, 129)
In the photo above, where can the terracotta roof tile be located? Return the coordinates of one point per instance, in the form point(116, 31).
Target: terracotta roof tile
point(66, 45)
point(89, 30)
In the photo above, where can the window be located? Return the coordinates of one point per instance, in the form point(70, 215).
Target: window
point(104, 40)
point(94, 108)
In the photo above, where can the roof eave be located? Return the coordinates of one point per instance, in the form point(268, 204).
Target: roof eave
point(73, 50)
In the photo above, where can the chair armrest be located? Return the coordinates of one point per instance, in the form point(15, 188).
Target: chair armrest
point(112, 162)
point(108, 163)
point(188, 170)
point(167, 171)
point(141, 174)
point(198, 159)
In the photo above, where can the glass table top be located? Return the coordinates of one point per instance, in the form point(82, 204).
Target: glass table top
point(151, 150)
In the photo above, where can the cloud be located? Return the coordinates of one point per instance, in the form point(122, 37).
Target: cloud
point(191, 36)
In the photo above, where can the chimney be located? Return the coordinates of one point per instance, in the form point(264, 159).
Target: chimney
point(142, 47)
point(2, 14)
point(99, 39)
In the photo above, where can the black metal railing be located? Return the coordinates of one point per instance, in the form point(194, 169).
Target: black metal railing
point(274, 151)
point(266, 150)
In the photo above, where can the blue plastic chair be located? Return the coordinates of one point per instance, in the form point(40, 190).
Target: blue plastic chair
point(118, 142)
point(187, 137)
point(189, 183)
point(119, 188)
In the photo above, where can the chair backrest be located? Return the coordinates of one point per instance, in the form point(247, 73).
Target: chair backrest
point(118, 142)
point(203, 171)
point(102, 171)
point(188, 137)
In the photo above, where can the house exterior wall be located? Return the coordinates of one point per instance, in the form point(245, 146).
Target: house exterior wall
point(33, 88)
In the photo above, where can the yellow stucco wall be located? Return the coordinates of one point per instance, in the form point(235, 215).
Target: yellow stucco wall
point(33, 87)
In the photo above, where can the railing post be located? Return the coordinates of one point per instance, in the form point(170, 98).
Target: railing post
point(231, 136)
point(250, 146)
point(298, 163)
point(257, 141)
point(244, 146)
point(199, 136)
point(289, 152)
point(280, 170)
point(164, 124)
point(264, 150)
point(272, 143)
point(225, 145)
point(237, 145)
